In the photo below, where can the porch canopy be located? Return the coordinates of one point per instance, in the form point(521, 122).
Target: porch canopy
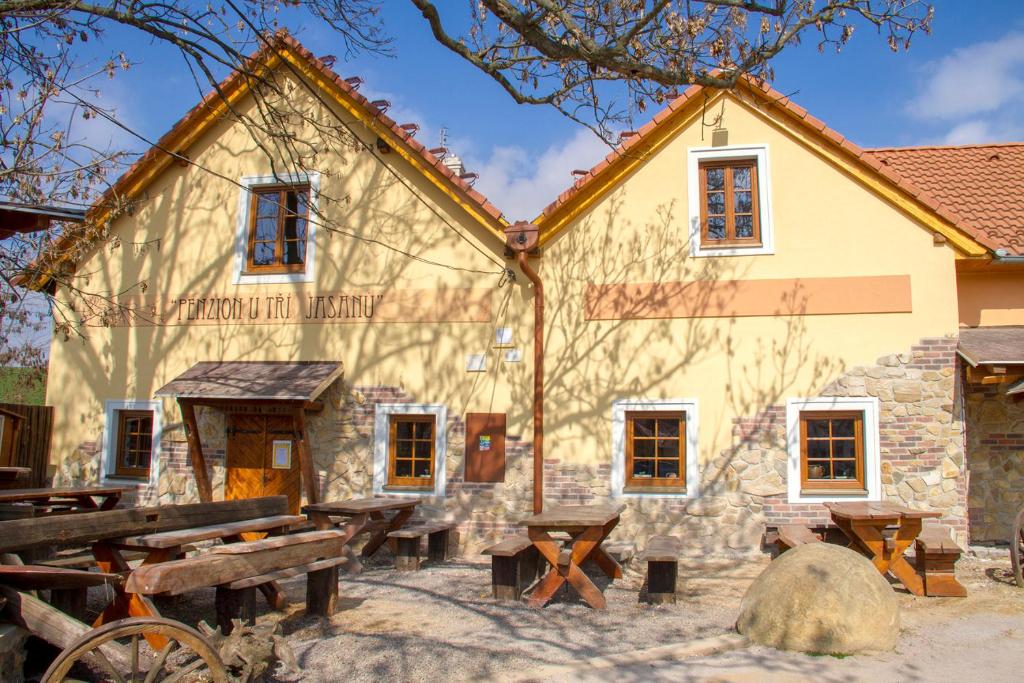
point(289, 387)
point(995, 355)
point(216, 381)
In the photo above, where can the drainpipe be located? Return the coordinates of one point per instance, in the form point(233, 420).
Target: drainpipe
point(522, 237)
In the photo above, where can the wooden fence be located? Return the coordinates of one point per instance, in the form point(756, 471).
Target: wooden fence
point(33, 449)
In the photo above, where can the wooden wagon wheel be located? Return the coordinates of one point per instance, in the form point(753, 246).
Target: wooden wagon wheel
point(186, 657)
point(1017, 548)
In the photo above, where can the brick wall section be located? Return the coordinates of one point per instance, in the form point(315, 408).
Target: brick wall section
point(995, 446)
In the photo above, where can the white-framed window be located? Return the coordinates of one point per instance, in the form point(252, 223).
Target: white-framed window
point(295, 260)
point(655, 448)
point(729, 201)
point(132, 429)
point(388, 460)
point(834, 450)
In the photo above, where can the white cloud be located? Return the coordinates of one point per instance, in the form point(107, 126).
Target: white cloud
point(977, 130)
point(973, 95)
point(521, 183)
point(976, 79)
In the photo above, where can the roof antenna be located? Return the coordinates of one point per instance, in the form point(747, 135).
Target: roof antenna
point(444, 137)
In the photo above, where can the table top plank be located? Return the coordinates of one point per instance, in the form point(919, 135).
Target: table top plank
point(171, 539)
point(862, 510)
point(575, 516)
point(359, 506)
point(20, 495)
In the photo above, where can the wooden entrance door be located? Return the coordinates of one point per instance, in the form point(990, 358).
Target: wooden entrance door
point(251, 470)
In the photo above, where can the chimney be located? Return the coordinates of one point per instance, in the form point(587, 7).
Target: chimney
point(450, 159)
point(454, 164)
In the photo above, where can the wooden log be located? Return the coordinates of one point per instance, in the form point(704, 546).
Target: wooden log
point(35, 577)
point(19, 534)
point(288, 573)
point(212, 569)
point(231, 604)
point(178, 537)
point(191, 515)
point(275, 542)
point(52, 625)
point(195, 450)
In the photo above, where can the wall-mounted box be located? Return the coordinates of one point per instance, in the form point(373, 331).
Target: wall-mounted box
point(485, 447)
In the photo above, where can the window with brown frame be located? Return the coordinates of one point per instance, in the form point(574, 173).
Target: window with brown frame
point(278, 222)
point(411, 451)
point(134, 443)
point(832, 451)
point(729, 212)
point(655, 450)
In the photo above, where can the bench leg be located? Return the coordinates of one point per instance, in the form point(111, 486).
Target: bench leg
point(322, 592)
point(234, 604)
point(505, 577)
point(437, 546)
point(939, 575)
point(407, 554)
point(661, 582)
point(530, 568)
point(71, 601)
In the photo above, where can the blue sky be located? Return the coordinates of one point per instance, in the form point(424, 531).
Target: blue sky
point(964, 83)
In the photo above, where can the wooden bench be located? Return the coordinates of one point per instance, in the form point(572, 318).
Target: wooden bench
point(515, 565)
point(662, 558)
point(937, 554)
point(34, 534)
point(792, 535)
point(407, 543)
point(236, 570)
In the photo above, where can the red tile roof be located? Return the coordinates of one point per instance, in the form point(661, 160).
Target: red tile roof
point(939, 203)
point(982, 185)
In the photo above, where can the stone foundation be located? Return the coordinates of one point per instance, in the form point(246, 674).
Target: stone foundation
point(995, 441)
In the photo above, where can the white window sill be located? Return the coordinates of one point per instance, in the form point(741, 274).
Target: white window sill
point(706, 252)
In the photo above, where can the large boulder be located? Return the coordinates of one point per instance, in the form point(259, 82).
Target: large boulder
point(821, 598)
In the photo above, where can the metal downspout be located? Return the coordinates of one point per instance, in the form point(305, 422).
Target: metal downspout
point(522, 237)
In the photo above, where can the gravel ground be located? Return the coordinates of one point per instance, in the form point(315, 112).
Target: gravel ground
point(441, 623)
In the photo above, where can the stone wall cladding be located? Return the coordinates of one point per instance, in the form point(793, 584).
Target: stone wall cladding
point(995, 442)
point(921, 437)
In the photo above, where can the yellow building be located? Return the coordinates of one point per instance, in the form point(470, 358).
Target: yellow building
point(745, 316)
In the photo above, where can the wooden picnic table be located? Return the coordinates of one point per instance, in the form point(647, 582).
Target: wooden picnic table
point(166, 546)
point(864, 524)
point(363, 514)
point(82, 497)
point(587, 526)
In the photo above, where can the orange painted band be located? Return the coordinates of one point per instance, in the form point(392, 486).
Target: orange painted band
point(746, 298)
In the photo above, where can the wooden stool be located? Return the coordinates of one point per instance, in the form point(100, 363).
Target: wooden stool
point(937, 554)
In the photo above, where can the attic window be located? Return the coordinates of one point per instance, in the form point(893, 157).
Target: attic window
point(729, 201)
point(729, 207)
point(275, 233)
point(279, 218)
